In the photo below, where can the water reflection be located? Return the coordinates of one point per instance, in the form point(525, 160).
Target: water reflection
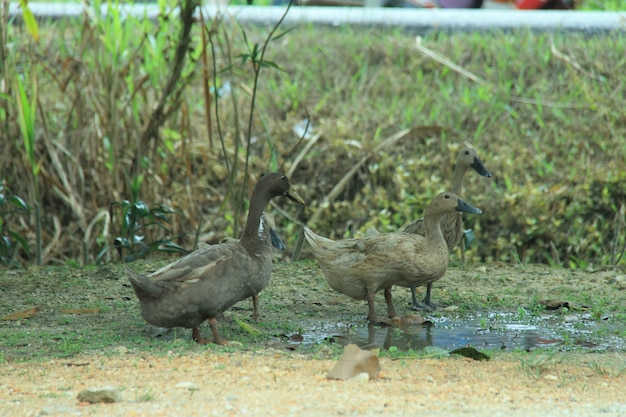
point(504, 332)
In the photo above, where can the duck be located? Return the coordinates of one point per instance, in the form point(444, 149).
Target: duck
point(208, 281)
point(452, 223)
point(360, 267)
point(272, 237)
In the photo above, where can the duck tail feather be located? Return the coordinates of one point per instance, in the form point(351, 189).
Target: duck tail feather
point(144, 288)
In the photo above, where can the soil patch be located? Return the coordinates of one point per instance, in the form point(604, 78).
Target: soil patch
point(87, 332)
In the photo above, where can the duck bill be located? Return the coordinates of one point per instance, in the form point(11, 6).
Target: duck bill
point(293, 196)
point(463, 206)
point(480, 168)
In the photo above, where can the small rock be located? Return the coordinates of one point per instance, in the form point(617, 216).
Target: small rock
point(55, 410)
point(570, 318)
point(619, 281)
point(551, 377)
point(189, 386)
point(122, 350)
point(354, 362)
point(363, 377)
point(100, 395)
point(481, 268)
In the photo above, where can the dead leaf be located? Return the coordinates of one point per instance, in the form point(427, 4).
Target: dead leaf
point(555, 304)
point(470, 352)
point(297, 337)
point(542, 341)
point(24, 314)
point(77, 364)
point(80, 310)
point(407, 321)
point(353, 362)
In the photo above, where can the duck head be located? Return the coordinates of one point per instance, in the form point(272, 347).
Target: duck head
point(448, 201)
point(468, 158)
point(277, 184)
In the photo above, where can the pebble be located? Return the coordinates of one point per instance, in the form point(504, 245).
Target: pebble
point(55, 410)
point(190, 386)
point(361, 378)
point(570, 318)
point(107, 394)
point(619, 281)
point(122, 350)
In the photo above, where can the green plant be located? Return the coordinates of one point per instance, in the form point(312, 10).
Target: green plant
point(536, 363)
point(10, 240)
point(136, 217)
point(604, 370)
point(254, 58)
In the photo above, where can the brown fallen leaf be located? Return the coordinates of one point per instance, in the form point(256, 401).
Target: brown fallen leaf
point(555, 304)
point(24, 314)
point(407, 321)
point(355, 361)
point(80, 310)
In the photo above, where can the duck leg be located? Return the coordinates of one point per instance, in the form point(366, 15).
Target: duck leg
point(371, 315)
point(391, 310)
point(425, 305)
point(217, 339)
point(414, 298)
point(255, 307)
point(195, 335)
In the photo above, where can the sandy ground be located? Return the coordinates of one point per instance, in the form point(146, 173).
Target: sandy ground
point(273, 383)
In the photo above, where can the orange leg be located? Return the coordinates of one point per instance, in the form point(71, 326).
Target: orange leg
point(217, 339)
point(195, 335)
point(255, 307)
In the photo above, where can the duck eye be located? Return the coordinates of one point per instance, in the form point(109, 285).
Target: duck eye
point(446, 196)
point(467, 152)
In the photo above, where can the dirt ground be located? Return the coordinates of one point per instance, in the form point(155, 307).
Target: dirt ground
point(281, 384)
point(53, 355)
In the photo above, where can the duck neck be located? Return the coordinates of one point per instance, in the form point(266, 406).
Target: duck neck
point(434, 235)
point(255, 227)
point(457, 184)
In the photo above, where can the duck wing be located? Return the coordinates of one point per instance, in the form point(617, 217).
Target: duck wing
point(198, 264)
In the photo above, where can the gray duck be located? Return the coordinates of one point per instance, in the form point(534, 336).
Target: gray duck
point(209, 281)
point(451, 223)
point(360, 267)
point(272, 237)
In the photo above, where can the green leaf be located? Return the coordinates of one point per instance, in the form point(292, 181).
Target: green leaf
point(271, 64)
point(18, 202)
point(29, 20)
point(246, 327)
point(169, 246)
point(26, 121)
point(19, 239)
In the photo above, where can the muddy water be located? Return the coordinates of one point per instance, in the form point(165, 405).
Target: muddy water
point(490, 331)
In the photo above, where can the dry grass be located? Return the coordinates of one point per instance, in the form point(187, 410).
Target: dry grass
point(545, 112)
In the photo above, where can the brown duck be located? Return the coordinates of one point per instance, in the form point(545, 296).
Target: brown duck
point(208, 281)
point(451, 223)
point(361, 267)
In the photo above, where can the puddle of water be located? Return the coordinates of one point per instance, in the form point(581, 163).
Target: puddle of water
point(492, 331)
